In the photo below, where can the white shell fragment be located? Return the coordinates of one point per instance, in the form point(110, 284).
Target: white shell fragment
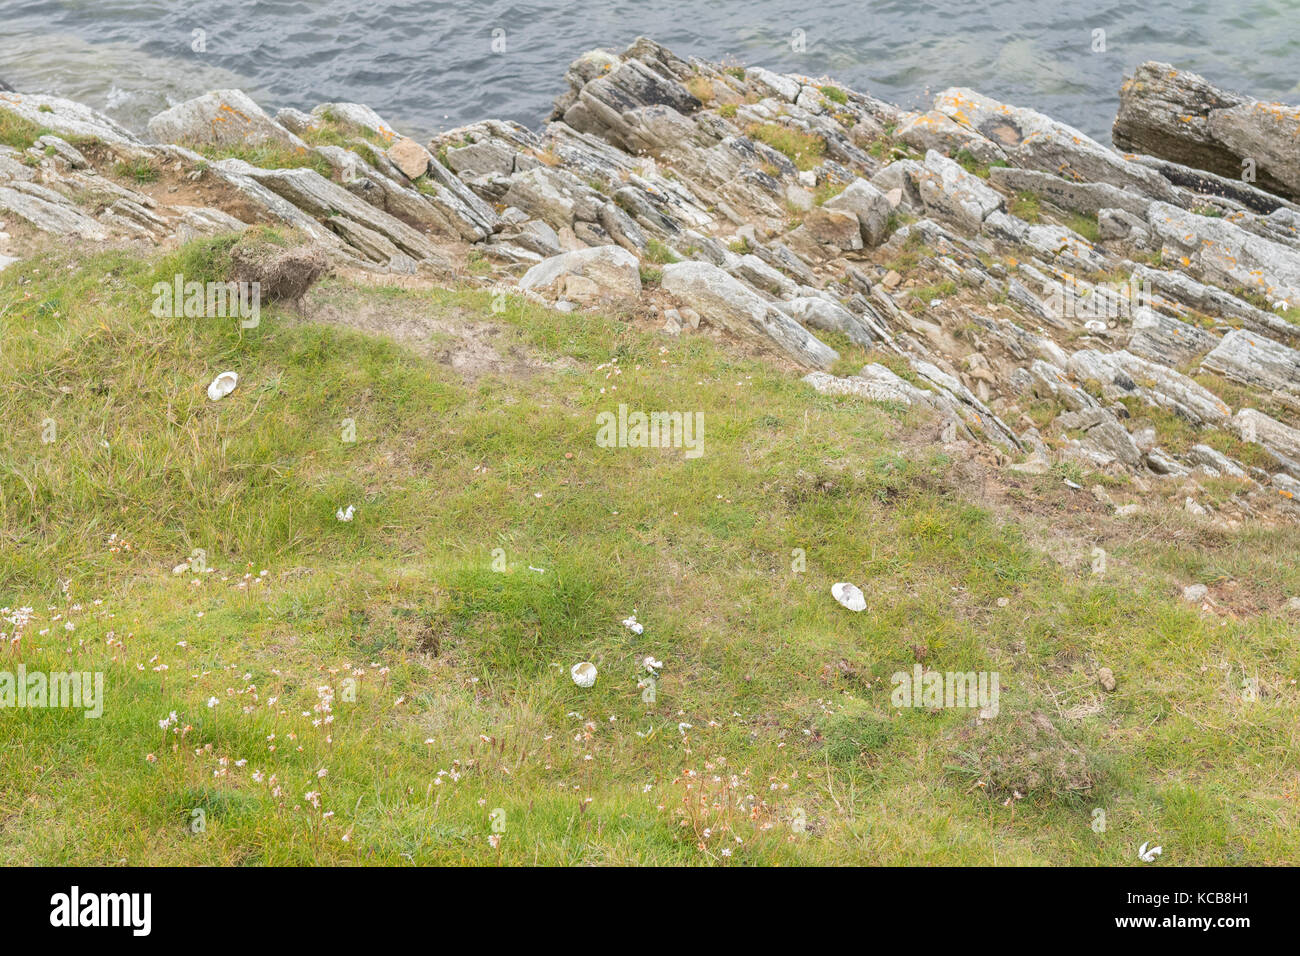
point(583, 673)
point(222, 385)
point(632, 625)
point(849, 595)
point(344, 515)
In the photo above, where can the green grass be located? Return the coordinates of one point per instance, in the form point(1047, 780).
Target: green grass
point(828, 190)
point(967, 160)
point(18, 132)
point(449, 679)
point(141, 171)
point(657, 251)
point(1084, 225)
point(914, 250)
point(273, 156)
point(805, 150)
point(1026, 205)
point(834, 94)
point(922, 296)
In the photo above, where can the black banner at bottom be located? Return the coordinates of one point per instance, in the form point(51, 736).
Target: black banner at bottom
point(330, 905)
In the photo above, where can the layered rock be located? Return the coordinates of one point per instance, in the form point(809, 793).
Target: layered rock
point(1045, 294)
point(1180, 116)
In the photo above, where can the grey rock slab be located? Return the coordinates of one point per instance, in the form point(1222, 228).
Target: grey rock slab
point(1279, 438)
point(1180, 116)
point(205, 221)
point(296, 121)
point(67, 118)
point(762, 276)
point(1253, 359)
point(1220, 252)
point(871, 207)
point(1205, 455)
point(1167, 340)
point(356, 118)
point(1031, 139)
point(1212, 301)
point(874, 391)
point(221, 118)
point(826, 316)
point(57, 217)
point(725, 301)
point(947, 190)
point(547, 195)
point(322, 198)
point(440, 212)
point(369, 243)
point(1087, 198)
point(1151, 383)
point(615, 270)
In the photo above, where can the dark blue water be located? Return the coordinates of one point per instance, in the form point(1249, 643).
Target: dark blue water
point(429, 65)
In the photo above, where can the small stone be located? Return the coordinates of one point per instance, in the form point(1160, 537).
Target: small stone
point(1192, 508)
point(891, 279)
point(1195, 593)
point(580, 288)
point(410, 157)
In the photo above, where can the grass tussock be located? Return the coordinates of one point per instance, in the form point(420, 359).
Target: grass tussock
point(805, 150)
point(17, 132)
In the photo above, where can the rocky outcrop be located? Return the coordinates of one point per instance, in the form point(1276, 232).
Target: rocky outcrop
point(1252, 359)
point(1044, 294)
point(67, 118)
point(1182, 117)
point(725, 301)
point(220, 118)
point(1223, 252)
point(606, 272)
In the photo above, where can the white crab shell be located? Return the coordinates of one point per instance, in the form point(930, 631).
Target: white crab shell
point(222, 385)
point(849, 595)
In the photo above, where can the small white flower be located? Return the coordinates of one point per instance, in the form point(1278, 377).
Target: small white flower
point(344, 515)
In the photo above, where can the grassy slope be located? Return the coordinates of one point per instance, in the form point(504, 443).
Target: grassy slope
point(463, 700)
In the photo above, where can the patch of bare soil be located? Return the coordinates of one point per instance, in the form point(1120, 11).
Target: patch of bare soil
point(173, 185)
point(458, 338)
